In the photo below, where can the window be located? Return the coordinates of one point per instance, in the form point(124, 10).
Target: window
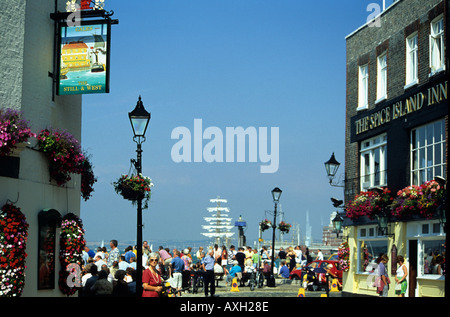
point(437, 46)
point(382, 77)
point(370, 247)
point(428, 149)
point(411, 60)
point(363, 87)
point(433, 257)
point(373, 162)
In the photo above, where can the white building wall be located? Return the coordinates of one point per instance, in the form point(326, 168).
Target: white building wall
point(26, 58)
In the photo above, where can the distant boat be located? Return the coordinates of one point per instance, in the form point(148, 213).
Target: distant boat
point(219, 225)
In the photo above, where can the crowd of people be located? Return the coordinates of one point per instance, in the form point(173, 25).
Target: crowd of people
point(113, 272)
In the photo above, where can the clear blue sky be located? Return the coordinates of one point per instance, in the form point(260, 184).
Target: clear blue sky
point(231, 63)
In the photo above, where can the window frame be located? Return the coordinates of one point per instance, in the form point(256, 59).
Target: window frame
point(375, 143)
point(382, 70)
point(433, 37)
point(412, 65)
point(373, 235)
point(420, 146)
point(414, 231)
point(363, 87)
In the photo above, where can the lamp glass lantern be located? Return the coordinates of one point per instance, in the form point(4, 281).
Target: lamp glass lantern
point(440, 212)
point(332, 165)
point(383, 221)
point(276, 193)
point(139, 119)
point(337, 223)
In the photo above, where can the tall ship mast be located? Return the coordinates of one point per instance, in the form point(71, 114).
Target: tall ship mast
point(219, 223)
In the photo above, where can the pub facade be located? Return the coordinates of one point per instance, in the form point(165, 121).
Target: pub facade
point(396, 137)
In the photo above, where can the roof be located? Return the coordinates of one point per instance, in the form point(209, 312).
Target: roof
point(374, 19)
point(73, 45)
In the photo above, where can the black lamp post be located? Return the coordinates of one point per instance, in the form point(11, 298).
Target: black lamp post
point(139, 119)
point(276, 193)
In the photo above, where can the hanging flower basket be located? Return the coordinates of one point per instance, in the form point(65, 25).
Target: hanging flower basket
point(13, 240)
point(134, 188)
point(368, 203)
point(65, 157)
point(87, 178)
point(420, 200)
point(72, 243)
point(63, 152)
point(344, 256)
point(265, 224)
point(14, 132)
point(284, 227)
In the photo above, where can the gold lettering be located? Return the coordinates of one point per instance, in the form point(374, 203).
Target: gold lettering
point(443, 90)
point(437, 94)
point(397, 110)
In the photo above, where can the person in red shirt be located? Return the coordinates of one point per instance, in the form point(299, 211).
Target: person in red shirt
point(151, 278)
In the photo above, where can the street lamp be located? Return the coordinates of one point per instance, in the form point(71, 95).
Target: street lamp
point(139, 119)
point(337, 223)
point(276, 193)
point(331, 166)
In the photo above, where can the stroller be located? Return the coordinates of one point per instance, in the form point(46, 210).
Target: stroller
point(168, 290)
point(311, 282)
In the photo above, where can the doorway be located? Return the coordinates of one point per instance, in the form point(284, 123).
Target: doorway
point(412, 280)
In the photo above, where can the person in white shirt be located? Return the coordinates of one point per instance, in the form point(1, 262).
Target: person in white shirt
point(298, 255)
point(99, 262)
point(123, 265)
point(319, 256)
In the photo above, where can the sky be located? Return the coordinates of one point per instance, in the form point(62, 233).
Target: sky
point(231, 63)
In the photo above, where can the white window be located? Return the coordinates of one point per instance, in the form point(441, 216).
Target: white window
point(370, 246)
point(430, 237)
point(411, 60)
point(428, 150)
point(373, 160)
point(382, 77)
point(437, 46)
point(363, 87)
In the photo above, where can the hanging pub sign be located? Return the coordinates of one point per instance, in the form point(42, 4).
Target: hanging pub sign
point(82, 48)
point(84, 59)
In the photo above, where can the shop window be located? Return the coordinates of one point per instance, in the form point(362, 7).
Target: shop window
point(370, 246)
point(437, 45)
point(369, 251)
point(434, 257)
point(428, 150)
point(373, 162)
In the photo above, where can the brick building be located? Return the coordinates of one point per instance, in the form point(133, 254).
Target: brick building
point(397, 129)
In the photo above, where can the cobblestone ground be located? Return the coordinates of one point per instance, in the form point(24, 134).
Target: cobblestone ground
point(288, 289)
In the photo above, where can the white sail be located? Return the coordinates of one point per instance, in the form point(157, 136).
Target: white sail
point(213, 227)
point(221, 235)
point(212, 209)
point(214, 219)
point(218, 200)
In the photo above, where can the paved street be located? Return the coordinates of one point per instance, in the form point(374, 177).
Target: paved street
point(288, 289)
